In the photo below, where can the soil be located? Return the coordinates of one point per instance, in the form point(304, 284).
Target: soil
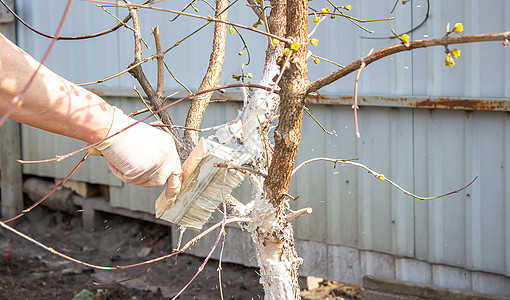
point(27, 271)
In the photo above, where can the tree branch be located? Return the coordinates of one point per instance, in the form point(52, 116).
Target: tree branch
point(81, 37)
point(156, 102)
point(207, 18)
point(212, 76)
point(381, 176)
point(161, 66)
point(475, 38)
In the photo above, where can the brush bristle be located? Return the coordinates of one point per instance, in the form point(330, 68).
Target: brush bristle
point(201, 210)
point(206, 186)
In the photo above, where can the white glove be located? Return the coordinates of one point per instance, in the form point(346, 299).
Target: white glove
point(141, 155)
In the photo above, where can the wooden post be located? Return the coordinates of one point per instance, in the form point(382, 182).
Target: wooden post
point(11, 178)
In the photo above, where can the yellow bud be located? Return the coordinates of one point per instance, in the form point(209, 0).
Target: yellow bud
point(240, 52)
point(324, 11)
point(196, 9)
point(314, 42)
point(455, 53)
point(381, 177)
point(256, 24)
point(405, 38)
point(286, 51)
point(232, 30)
point(332, 16)
point(316, 61)
point(249, 75)
point(458, 28)
point(316, 20)
point(275, 42)
point(449, 62)
point(295, 46)
point(348, 7)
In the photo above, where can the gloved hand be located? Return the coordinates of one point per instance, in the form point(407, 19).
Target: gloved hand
point(141, 155)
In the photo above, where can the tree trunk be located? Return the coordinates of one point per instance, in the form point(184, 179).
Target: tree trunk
point(271, 232)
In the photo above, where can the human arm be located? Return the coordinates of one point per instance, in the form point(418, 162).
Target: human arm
point(141, 155)
point(51, 103)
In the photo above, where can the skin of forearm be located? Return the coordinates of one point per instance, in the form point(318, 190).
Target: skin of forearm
point(51, 103)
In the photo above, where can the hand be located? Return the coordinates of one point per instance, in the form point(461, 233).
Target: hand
point(142, 155)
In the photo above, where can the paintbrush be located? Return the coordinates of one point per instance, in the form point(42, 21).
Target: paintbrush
point(205, 185)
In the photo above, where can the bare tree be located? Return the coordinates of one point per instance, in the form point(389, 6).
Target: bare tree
point(279, 95)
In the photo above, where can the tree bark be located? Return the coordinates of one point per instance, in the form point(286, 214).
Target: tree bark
point(212, 76)
point(292, 95)
point(272, 234)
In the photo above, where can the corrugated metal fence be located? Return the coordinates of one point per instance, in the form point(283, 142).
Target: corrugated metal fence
point(360, 225)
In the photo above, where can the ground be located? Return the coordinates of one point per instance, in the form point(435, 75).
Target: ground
point(29, 272)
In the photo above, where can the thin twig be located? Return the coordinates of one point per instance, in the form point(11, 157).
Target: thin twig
point(199, 129)
point(148, 59)
point(264, 19)
point(110, 268)
point(128, 69)
point(244, 168)
point(256, 8)
point(307, 110)
point(316, 26)
point(299, 213)
point(224, 233)
point(347, 17)
point(355, 19)
point(147, 105)
point(222, 224)
point(380, 176)
point(175, 78)
point(25, 211)
point(355, 98)
point(327, 60)
point(427, 14)
point(161, 68)
point(82, 37)
point(208, 18)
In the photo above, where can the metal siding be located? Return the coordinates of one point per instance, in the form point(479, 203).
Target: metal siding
point(506, 195)
point(493, 190)
point(385, 216)
point(342, 194)
point(462, 230)
point(306, 186)
point(75, 60)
